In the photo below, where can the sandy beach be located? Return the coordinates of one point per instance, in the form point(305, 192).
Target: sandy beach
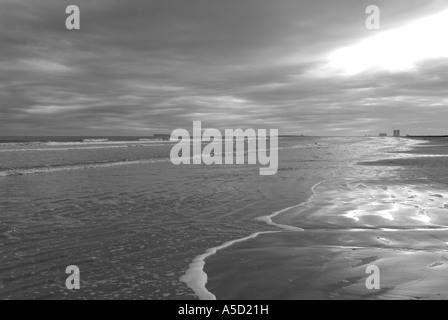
point(389, 211)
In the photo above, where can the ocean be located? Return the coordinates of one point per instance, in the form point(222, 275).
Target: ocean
point(139, 227)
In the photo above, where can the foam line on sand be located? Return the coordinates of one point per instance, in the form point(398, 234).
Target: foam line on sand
point(195, 276)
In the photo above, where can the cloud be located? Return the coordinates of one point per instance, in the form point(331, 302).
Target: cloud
point(144, 67)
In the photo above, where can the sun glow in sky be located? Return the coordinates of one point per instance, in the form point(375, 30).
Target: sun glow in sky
point(395, 50)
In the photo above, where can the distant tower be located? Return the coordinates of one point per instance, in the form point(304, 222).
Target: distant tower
point(396, 133)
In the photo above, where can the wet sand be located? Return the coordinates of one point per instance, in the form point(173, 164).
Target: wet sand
point(391, 213)
point(332, 265)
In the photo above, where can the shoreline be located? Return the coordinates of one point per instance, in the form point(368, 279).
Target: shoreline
point(195, 276)
point(252, 256)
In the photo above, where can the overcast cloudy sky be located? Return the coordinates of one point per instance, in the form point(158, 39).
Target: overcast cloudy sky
point(303, 66)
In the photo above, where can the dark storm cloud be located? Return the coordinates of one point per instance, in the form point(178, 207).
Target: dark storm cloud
point(139, 67)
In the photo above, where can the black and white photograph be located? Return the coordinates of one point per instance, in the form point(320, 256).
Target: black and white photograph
point(242, 150)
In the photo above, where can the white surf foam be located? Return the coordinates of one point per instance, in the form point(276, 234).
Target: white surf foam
point(98, 142)
point(196, 278)
point(82, 148)
point(18, 172)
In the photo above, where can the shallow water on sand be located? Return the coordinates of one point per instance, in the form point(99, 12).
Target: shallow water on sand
point(132, 221)
point(391, 213)
point(128, 218)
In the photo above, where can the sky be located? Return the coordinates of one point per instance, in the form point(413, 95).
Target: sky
point(150, 66)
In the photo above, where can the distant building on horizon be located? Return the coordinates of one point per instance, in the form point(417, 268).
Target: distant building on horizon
point(383, 134)
point(396, 133)
point(162, 136)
